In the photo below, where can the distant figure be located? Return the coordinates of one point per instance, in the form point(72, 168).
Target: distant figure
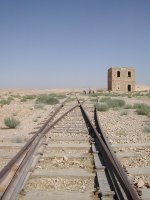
point(93, 92)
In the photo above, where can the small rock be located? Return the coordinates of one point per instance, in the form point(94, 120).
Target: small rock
point(65, 158)
point(76, 162)
point(83, 187)
point(81, 166)
point(147, 185)
point(110, 141)
point(55, 161)
point(38, 167)
point(140, 183)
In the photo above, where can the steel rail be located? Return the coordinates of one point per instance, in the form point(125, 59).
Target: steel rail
point(79, 100)
point(118, 164)
point(118, 171)
point(21, 173)
point(24, 149)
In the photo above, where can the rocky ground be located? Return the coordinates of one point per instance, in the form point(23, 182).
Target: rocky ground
point(29, 118)
point(128, 130)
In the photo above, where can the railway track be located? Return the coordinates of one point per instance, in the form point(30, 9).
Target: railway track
point(68, 158)
point(131, 146)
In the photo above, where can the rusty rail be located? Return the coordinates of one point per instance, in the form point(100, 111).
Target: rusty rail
point(17, 181)
point(121, 185)
point(27, 145)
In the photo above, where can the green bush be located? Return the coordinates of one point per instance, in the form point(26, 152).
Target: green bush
point(11, 122)
point(105, 99)
point(46, 99)
point(113, 103)
point(94, 100)
point(102, 107)
point(137, 94)
point(117, 103)
point(33, 96)
point(10, 98)
point(15, 96)
point(4, 102)
point(142, 109)
point(27, 97)
point(137, 105)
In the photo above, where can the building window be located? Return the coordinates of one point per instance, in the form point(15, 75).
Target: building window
point(118, 73)
point(129, 88)
point(129, 74)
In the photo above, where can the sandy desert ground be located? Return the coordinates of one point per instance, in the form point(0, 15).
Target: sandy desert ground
point(24, 111)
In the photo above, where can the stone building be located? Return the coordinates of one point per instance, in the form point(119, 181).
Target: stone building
point(121, 79)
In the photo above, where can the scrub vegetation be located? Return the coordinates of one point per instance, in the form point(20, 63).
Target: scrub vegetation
point(102, 107)
point(112, 103)
point(11, 122)
point(27, 97)
point(106, 103)
point(46, 99)
point(142, 109)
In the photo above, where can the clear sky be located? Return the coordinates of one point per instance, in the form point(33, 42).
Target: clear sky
point(72, 43)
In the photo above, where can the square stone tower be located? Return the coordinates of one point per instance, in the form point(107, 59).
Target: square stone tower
point(121, 79)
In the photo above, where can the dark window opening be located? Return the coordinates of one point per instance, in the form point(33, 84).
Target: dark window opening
point(118, 73)
point(129, 74)
point(129, 88)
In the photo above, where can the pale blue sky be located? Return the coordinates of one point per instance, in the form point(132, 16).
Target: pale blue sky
point(72, 43)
